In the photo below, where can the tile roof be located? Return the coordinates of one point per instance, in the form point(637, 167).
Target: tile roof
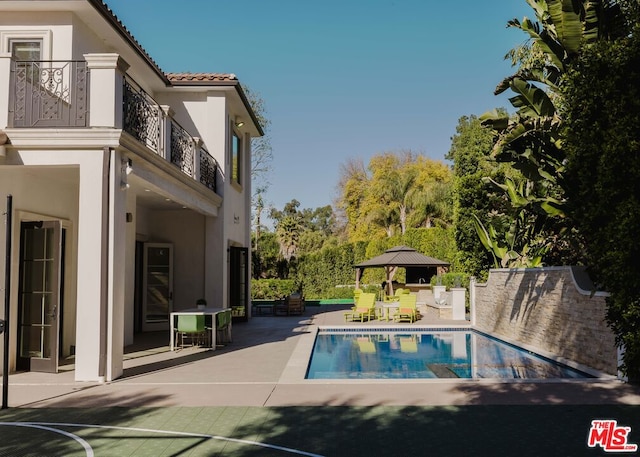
point(201, 77)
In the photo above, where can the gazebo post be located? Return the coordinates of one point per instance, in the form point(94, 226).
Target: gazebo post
point(391, 271)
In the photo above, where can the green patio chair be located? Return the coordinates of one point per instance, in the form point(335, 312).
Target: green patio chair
point(223, 326)
point(191, 327)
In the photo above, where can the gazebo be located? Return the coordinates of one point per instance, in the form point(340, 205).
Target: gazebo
point(419, 267)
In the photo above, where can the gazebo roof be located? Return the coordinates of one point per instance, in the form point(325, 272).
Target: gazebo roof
point(402, 256)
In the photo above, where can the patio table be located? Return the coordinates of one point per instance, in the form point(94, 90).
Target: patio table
point(386, 307)
point(207, 311)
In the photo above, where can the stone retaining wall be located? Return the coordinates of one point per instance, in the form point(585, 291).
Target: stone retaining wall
point(548, 309)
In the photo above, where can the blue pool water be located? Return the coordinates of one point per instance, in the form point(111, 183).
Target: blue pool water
point(447, 353)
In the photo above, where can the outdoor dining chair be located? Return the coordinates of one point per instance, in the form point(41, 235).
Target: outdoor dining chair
point(223, 326)
point(192, 328)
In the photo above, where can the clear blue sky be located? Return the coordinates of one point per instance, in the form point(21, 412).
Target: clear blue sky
point(340, 78)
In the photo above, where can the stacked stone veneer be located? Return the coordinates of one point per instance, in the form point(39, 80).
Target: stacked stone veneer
point(547, 309)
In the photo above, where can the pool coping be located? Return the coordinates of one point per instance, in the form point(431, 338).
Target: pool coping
point(295, 370)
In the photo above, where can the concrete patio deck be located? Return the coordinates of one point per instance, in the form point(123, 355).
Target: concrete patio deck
point(265, 365)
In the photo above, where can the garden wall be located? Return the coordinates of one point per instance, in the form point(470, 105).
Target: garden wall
point(551, 309)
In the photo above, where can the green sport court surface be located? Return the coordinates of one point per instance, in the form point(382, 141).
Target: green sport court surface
point(479, 430)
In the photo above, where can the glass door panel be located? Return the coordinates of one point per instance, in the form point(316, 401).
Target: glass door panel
point(158, 286)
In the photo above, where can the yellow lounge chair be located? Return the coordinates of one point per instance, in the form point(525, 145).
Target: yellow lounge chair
point(356, 296)
point(396, 295)
point(407, 309)
point(366, 307)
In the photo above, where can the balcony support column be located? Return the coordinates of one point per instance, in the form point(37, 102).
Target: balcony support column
point(197, 150)
point(106, 89)
point(166, 132)
point(5, 88)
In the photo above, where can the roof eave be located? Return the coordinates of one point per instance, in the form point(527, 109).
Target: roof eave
point(107, 14)
point(229, 83)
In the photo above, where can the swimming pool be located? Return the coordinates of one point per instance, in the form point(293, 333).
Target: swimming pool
point(432, 354)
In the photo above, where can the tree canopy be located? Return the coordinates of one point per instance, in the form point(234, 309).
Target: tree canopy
point(395, 192)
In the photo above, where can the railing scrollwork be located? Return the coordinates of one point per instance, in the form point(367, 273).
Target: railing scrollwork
point(50, 94)
point(141, 116)
point(208, 169)
point(182, 149)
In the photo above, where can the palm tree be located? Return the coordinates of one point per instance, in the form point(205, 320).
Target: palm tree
point(432, 205)
point(288, 233)
point(394, 192)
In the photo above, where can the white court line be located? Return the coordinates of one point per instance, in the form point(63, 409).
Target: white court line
point(88, 449)
point(166, 432)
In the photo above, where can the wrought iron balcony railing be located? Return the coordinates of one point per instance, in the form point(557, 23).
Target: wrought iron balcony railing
point(141, 116)
point(49, 94)
point(147, 121)
point(56, 94)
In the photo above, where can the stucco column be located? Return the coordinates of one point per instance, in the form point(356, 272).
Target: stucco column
point(458, 295)
point(106, 90)
point(5, 88)
point(213, 266)
point(472, 300)
point(247, 194)
point(91, 313)
point(119, 171)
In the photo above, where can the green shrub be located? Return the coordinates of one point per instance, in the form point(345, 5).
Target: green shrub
point(272, 289)
point(346, 291)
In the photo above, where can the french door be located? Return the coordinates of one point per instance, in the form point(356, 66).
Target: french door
point(157, 287)
point(39, 296)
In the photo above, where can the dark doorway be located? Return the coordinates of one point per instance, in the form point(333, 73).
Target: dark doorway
point(239, 282)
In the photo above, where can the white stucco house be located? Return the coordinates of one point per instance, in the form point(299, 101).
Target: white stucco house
point(129, 188)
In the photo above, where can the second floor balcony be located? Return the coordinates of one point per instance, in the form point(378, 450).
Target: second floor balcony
point(46, 94)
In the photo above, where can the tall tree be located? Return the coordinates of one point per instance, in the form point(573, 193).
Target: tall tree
point(261, 149)
point(352, 187)
point(431, 197)
point(470, 153)
point(261, 159)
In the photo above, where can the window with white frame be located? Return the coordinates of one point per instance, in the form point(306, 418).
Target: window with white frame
point(34, 44)
point(25, 49)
